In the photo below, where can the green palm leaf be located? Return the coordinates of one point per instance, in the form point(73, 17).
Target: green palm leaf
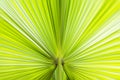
point(59, 39)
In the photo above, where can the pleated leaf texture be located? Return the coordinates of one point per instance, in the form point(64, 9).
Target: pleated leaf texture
point(59, 39)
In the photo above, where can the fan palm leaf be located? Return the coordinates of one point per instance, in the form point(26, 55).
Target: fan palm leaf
point(59, 39)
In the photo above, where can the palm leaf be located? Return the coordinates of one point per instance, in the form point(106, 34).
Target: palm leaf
point(59, 39)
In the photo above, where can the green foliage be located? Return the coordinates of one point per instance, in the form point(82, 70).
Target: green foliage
point(59, 39)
